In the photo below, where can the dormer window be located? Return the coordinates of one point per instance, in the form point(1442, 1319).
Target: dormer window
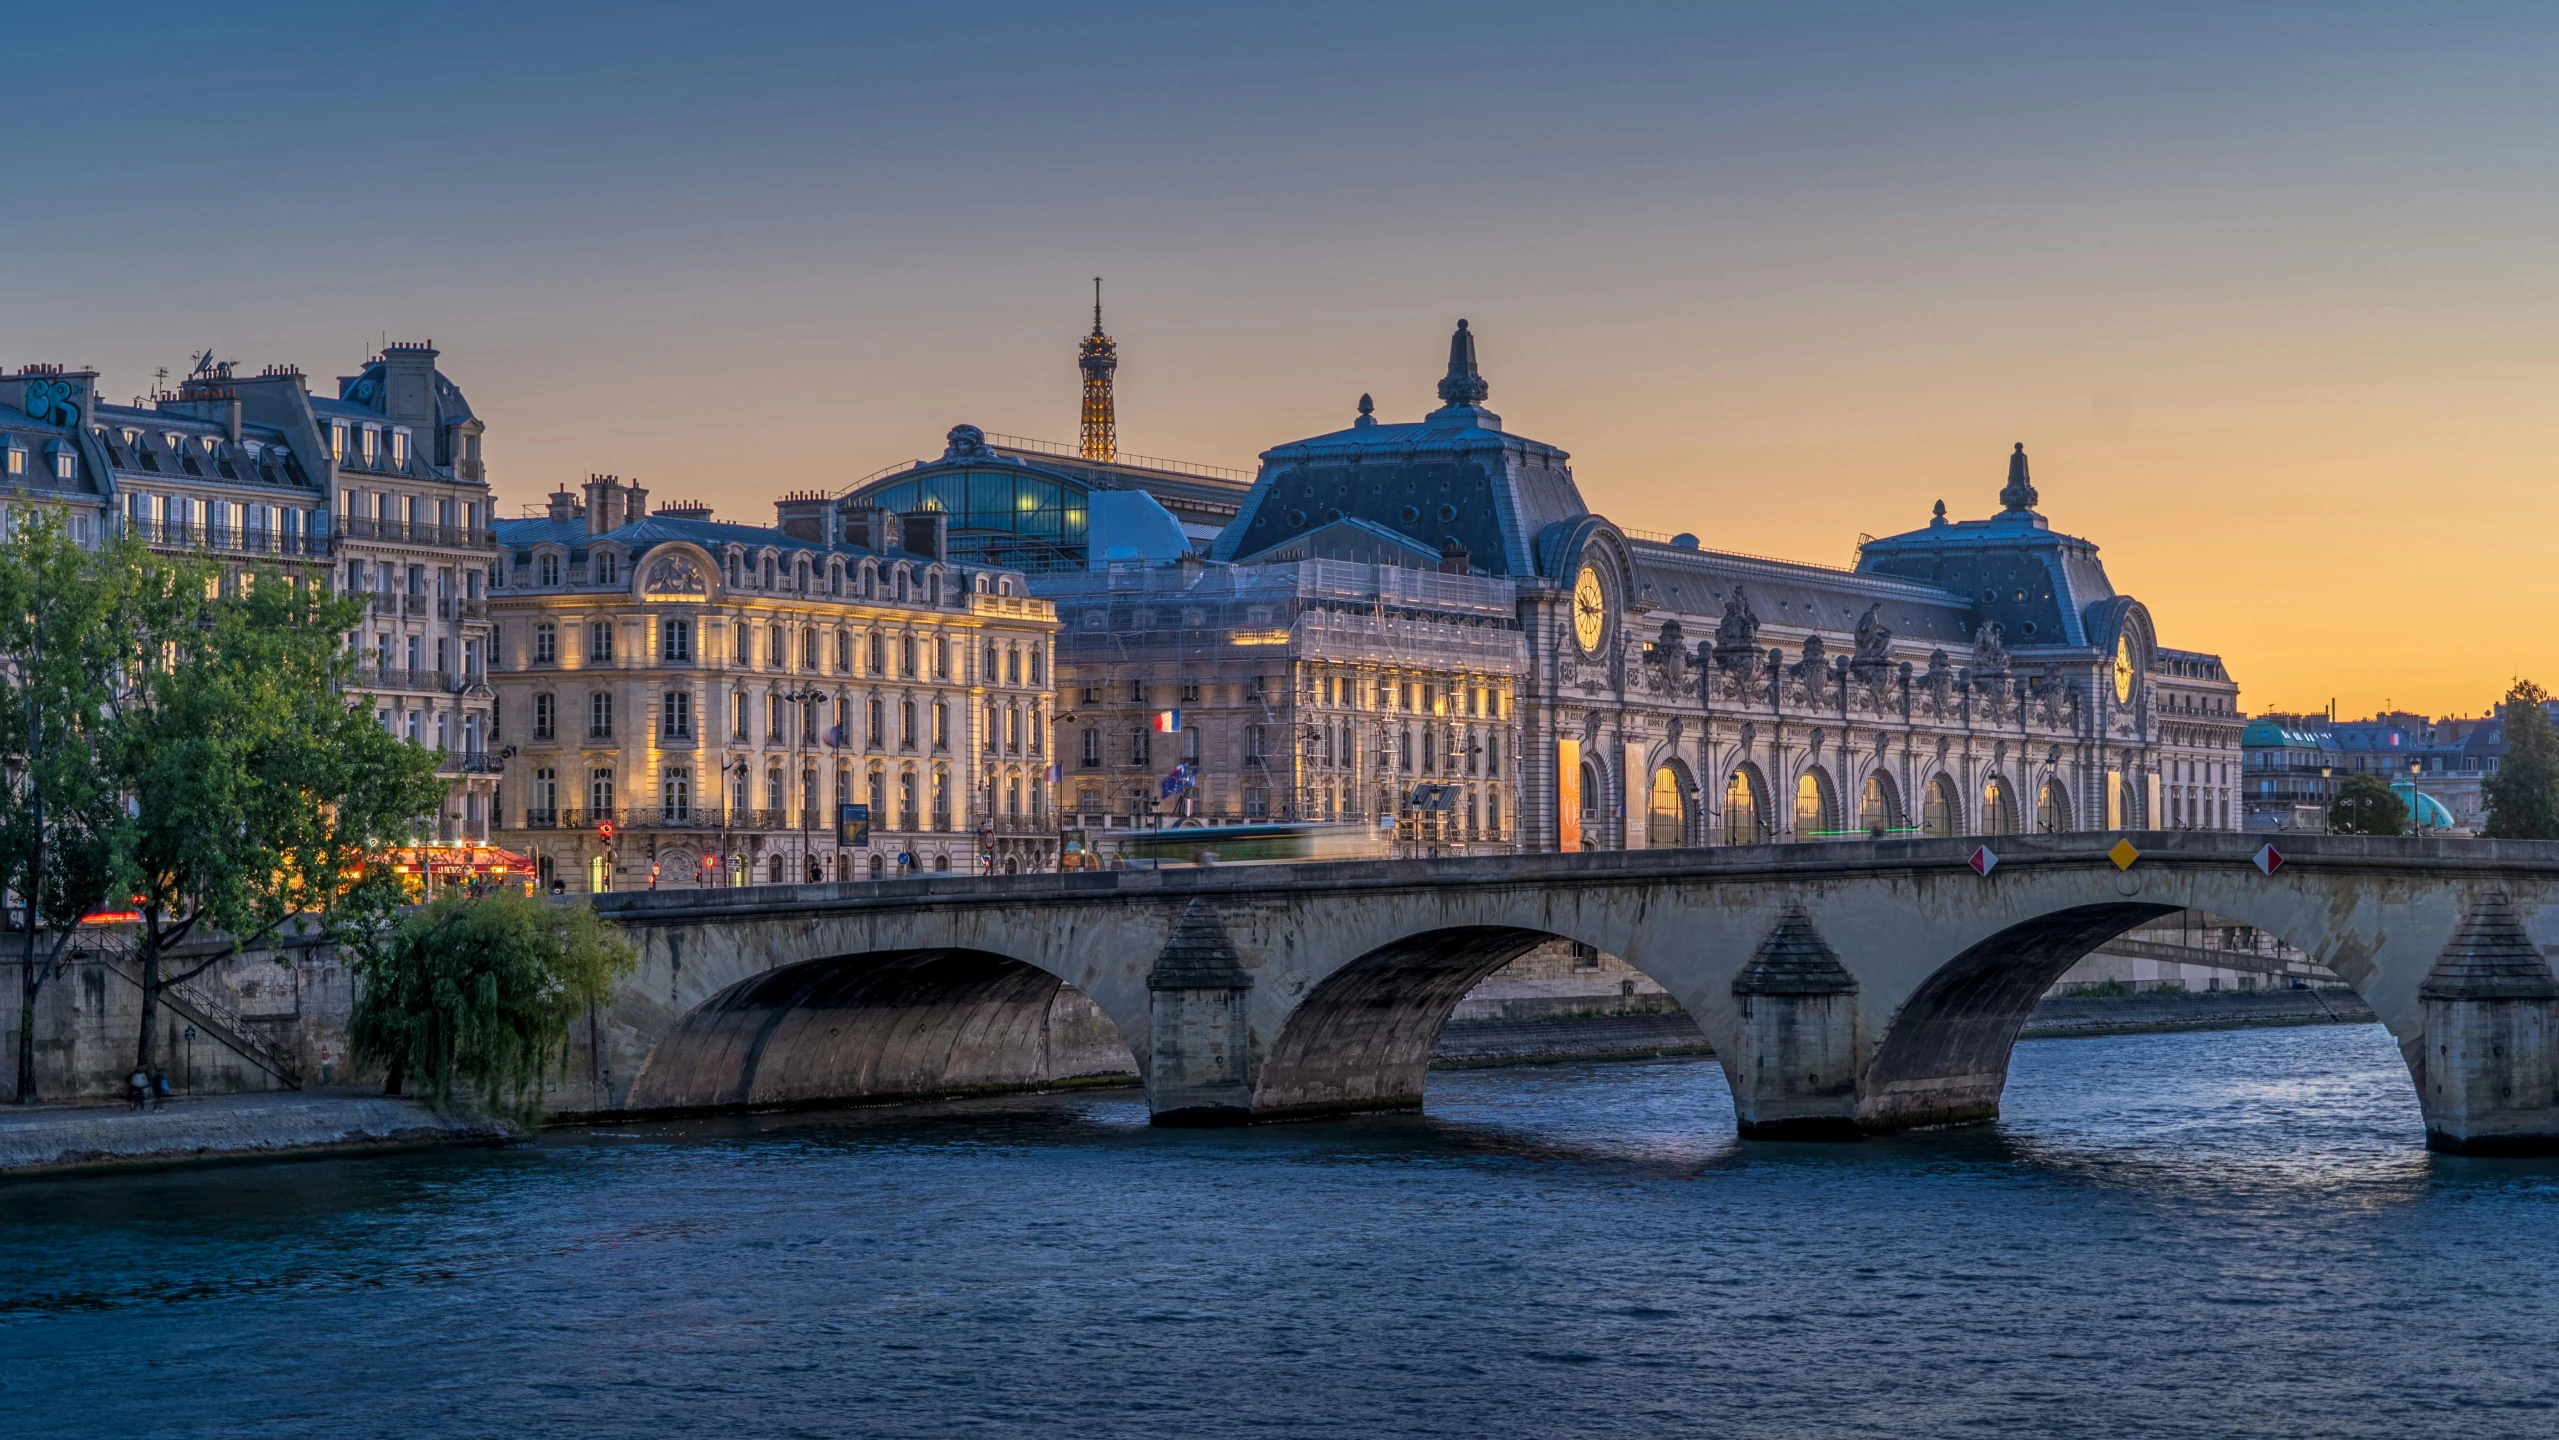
point(606, 572)
point(210, 444)
point(337, 440)
point(132, 438)
point(399, 449)
point(549, 569)
point(372, 444)
point(16, 461)
point(66, 462)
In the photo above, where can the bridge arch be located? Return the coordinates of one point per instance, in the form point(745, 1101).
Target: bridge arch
point(1362, 1037)
point(895, 1024)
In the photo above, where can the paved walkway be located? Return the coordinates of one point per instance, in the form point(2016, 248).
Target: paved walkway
point(45, 1139)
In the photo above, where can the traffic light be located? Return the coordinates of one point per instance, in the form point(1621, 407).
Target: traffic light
point(604, 831)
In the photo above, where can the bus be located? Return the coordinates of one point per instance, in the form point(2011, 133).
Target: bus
point(1268, 843)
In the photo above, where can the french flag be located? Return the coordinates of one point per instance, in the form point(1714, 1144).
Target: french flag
point(1168, 722)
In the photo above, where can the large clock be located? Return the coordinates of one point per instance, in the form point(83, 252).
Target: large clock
point(2123, 669)
point(1590, 610)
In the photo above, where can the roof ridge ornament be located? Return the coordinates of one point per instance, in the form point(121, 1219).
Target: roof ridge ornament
point(1464, 384)
point(2019, 495)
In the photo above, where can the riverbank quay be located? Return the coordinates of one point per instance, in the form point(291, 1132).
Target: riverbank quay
point(52, 1140)
point(1530, 1036)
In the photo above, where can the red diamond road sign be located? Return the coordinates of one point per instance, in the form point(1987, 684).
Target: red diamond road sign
point(1982, 860)
point(2269, 859)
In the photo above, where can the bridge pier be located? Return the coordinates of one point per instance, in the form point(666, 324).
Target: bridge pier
point(1796, 1078)
point(1200, 1068)
point(2488, 1081)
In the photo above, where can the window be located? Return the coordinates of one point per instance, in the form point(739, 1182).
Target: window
point(599, 642)
point(1038, 666)
point(542, 717)
point(337, 448)
point(546, 643)
point(549, 569)
point(599, 714)
point(906, 724)
point(675, 639)
point(843, 652)
point(776, 644)
point(546, 796)
point(906, 656)
point(1137, 692)
point(676, 797)
point(372, 444)
point(879, 654)
point(607, 567)
point(1137, 745)
point(599, 794)
point(399, 449)
point(879, 730)
point(676, 715)
point(1013, 667)
point(1092, 754)
point(990, 663)
point(808, 641)
point(941, 726)
point(737, 715)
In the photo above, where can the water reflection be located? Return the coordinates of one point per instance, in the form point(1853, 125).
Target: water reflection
point(2182, 1234)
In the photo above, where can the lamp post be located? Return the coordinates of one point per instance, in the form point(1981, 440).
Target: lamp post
point(799, 701)
point(745, 790)
point(2416, 820)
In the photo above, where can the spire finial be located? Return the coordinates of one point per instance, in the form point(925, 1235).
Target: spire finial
point(1939, 516)
point(2019, 494)
point(1367, 412)
point(1464, 384)
point(1097, 304)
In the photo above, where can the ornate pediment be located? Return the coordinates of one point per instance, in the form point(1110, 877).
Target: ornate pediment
point(675, 575)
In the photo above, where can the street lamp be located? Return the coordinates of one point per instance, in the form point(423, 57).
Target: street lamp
point(2416, 816)
point(799, 701)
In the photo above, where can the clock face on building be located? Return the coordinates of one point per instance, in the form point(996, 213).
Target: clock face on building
point(1590, 610)
point(2123, 669)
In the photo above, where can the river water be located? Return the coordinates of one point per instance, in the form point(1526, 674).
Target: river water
point(2201, 1234)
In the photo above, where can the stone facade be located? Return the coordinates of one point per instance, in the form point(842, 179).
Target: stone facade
point(717, 694)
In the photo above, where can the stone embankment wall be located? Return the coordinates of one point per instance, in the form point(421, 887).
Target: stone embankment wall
point(263, 1022)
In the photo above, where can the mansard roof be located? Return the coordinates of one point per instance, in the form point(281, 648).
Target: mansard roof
point(1787, 595)
point(2044, 588)
point(1454, 475)
point(716, 536)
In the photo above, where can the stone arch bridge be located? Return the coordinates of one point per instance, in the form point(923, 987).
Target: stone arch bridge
point(1847, 988)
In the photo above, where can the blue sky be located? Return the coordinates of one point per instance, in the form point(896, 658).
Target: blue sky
point(2252, 282)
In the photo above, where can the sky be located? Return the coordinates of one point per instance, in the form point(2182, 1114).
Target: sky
point(2267, 291)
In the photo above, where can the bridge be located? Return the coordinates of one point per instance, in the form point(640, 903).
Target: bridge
point(1848, 989)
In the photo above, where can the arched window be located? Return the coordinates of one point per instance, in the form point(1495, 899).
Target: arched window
point(2052, 815)
point(2132, 807)
point(1815, 816)
point(1877, 809)
point(1943, 814)
point(1745, 819)
point(1590, 806)
point(1998, 808)
point(1666, 817)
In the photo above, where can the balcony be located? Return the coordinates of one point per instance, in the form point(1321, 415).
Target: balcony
point(378, 678)
point(542, 819)
point(228, 539)
point(421, 532)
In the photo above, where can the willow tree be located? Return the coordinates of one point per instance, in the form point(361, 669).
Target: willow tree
point(480, 992)
point(263, 802)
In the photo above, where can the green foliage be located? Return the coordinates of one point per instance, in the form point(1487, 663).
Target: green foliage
point(77, 626)
point(262, 800)
point(480, 992)
point(2523, 796)
point(2366, 806)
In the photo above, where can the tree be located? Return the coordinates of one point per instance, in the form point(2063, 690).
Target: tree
point(2366, 805)
point(262, 802)
point(75, 626)
point(2523, 796)
point(482, 990)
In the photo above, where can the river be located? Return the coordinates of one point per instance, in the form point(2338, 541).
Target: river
point(2168, 1235)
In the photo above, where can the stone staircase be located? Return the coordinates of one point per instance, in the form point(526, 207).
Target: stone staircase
point(194, 1002)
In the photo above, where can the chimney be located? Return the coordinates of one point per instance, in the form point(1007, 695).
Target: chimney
point(635, 503)
point(1454, 558)
point(231, 419)
point(868, 527)
point(604, 495)
point(802, 515)
point(926, 533)
point(408, 386)
point(685, 510)
point(51, 395)
point(564, 505)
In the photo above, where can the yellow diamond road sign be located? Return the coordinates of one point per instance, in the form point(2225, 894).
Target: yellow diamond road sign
point(2123, 854)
